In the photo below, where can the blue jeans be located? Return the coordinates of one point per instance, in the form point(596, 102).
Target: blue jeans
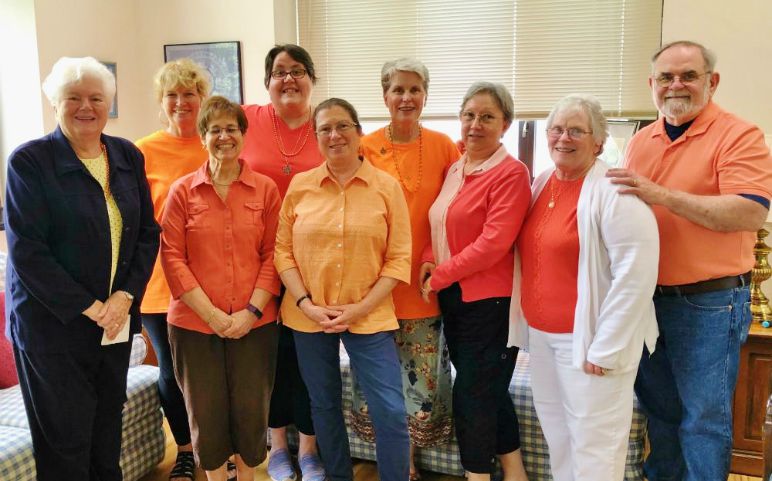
point(374, 359)
point(686, 386)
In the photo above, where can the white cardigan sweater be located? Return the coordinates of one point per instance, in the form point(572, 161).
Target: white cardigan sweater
point(618, 259)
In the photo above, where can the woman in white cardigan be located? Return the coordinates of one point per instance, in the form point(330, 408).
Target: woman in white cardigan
point(585, 284)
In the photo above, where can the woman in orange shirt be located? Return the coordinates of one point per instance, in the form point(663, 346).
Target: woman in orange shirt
point(343, 244)
point(219, 230)
point(418, 158)
point(180, 87)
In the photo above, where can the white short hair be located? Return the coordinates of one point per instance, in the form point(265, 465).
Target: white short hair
point(70, 70)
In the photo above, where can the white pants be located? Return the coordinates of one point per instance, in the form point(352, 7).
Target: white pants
point(585, 418)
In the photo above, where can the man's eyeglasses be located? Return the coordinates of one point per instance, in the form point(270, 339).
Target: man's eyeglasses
point(667, 79)
point(469, 117)
point(296, 73)
point(573, 132)
point(325, 131)
point(216, 131)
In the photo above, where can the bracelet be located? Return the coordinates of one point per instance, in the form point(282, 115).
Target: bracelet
point(209, 318)
point(301, 299)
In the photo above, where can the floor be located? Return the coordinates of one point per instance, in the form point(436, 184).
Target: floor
point(363, 470)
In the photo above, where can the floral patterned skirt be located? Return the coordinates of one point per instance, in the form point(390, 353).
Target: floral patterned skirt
point(426, 385)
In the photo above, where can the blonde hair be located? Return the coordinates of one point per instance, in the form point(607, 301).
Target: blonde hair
point(184, 73)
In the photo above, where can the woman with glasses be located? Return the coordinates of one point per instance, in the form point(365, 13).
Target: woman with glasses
point(343, 244)
point(474, 223)
point(219, 229)
point(280, 144)
point(418, 158)
point(582, 303)
point(180, 87)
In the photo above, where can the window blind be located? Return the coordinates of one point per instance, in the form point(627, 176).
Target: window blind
point(541, 50)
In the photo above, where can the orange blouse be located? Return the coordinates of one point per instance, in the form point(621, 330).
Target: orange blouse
point(342, 240)
point(226, 248)
point(549, 253)
point(420, 167)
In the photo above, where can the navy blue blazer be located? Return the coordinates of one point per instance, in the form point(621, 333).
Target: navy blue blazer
point(59, 242)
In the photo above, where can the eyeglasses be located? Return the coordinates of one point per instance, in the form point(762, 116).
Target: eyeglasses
point(325, 131)
point(296, 73)
point(469, 117)
point(667, 79)
point(216, 131)
point(573, 132)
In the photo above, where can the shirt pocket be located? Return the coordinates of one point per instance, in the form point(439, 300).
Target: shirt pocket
point(198, 217)
point(254, 213)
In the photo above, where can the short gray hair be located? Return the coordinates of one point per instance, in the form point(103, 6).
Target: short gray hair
point(70, 70)
point(591, 107)
point(708, 56)
point(498, 92)
point(403, 64)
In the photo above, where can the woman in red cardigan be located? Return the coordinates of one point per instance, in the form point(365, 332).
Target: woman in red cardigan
point(475, 221)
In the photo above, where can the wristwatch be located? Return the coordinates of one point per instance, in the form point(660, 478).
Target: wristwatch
point(254, 310)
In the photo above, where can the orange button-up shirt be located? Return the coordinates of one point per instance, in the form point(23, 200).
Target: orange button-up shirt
point(224, 247)
point(342, 240)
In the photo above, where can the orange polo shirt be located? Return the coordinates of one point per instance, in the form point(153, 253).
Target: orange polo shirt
point(719, 154)
point(420, 167)
point(342, 240)
point(261, 149)
point(167, 158)
point(549, 253)
point(226, 248)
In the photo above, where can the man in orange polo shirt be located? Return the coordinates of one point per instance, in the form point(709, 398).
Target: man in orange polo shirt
point(707, 175)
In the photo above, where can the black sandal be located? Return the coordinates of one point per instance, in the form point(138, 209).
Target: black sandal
point(184, 466)
point(231, 468)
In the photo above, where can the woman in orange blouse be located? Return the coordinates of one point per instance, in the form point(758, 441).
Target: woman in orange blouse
point(218, 241)
point(418, 158)
point(180, 87)
point(343, 244)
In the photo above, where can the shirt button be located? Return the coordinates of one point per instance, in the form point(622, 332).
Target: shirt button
point(337, 283)
point(338, 266)
point(340, 226)
point(341, 209)
point(340, 245)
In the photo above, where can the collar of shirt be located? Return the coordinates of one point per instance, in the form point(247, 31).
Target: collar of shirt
point(699, 124)
point(365, 173)
point(457, 169)
point(201, 176)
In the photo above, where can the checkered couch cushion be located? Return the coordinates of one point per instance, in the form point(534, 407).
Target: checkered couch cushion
point(142, 442)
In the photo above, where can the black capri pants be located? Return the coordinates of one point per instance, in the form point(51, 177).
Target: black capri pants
point(483, 412)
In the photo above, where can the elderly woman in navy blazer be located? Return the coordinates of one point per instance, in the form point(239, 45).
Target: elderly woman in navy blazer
point(82, 241)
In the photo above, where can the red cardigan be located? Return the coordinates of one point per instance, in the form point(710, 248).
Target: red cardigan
point(482, 223)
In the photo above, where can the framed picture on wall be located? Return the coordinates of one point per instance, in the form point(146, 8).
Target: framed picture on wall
point(221, 59)
point(113, 67)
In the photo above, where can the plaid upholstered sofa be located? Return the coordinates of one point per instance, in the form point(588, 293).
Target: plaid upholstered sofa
point(143, 442)
point(445, 459)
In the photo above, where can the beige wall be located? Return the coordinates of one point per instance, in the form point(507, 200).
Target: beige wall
point(739, 32)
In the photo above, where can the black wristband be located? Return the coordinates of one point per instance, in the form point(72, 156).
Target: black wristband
point(301, 299)
point(254, 310)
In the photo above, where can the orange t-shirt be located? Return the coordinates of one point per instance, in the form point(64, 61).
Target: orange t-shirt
point(224, 247)
point(342, 240)
point(549, 255)
point(421, 173)
point(167, 158)
point(719, 154)
point(261, 150)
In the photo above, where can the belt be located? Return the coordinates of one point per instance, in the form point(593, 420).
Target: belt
point(728, 282)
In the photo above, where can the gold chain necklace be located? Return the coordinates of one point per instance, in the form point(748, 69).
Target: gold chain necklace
point(554, 179)
point(287, 169)
point(420, 160)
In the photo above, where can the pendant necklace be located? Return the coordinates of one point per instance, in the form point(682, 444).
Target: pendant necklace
point(299, 143)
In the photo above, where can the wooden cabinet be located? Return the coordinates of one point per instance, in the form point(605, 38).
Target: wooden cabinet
point(750, 401)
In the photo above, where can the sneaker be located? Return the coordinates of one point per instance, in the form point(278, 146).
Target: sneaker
point(311, 468)
point(280, 466)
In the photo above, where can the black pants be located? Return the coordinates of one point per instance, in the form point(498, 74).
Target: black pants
point(74, 402)
point(289, 401)
point(483, 412)
point(169, 392)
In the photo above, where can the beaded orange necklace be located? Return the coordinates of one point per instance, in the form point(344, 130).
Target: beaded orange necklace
point(400, 177)
point(287, 169)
